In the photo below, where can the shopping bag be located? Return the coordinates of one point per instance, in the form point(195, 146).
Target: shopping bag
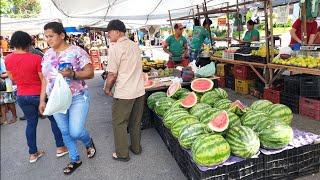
point(60, 98)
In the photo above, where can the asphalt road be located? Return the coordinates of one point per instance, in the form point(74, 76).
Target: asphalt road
point(155, 162)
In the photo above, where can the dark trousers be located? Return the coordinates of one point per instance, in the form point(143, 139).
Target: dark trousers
point(29, 106)
point(127, 113)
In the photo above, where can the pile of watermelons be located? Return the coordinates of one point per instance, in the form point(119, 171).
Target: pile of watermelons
point(213, 127)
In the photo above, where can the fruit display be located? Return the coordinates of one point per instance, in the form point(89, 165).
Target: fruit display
point(262, 51)
point(215, 127)
point(307, 62)
point(218, 53)
point(148, 64)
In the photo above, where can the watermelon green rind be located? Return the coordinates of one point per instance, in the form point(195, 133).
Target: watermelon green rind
point(180, 93)
point(181, 123)
point(252, 117)
point(210, 150)
point(209, 114)
point(152, 99)
point(261, 105)
point(169, 120)
point(222, 94)
point(243, 141)
point(162, 105)
point(210, 97)
point(281, 112)
point(199, 109)
point(189, 133)
point(174, 110)
point(276, 137)
point(222, 104)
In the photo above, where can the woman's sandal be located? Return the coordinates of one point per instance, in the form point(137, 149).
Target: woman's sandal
point(123, 159)
point(72, 166)
point(91, 151)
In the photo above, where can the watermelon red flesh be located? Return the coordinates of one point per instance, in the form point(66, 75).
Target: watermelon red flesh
point(190, 100)
point(201, 85)
point(238, 104)
point(220, 122)
point(173, 88)
point(148, 84)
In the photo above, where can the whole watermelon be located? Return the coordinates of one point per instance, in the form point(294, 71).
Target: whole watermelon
point(261, 105)
point(199, 109)
point(181, 123)
point(281, 112)
point(176, 104)
point(163, 104)
point(208, 115)
point(181, 93)
point(262, 125)
point(174, 110)
point(222, 104)
point(243, 141)
point(152, 99)
point(210, 97)
point(189, 133)
point(276, 136)
point(252, 117)
point(169, 120)
point(234, 120)
point(221, 93)
point(210, 150)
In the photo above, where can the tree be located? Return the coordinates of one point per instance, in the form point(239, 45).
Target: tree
point(20, 8)
point(5, 7)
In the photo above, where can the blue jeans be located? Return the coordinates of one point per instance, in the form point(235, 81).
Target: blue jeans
point(29, 106)
point(72, 124)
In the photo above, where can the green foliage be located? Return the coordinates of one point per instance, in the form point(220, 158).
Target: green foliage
point(20, 8)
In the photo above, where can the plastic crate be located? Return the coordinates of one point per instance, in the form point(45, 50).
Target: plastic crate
point(230, 82)
point(221, 82)
point(310, 107)
point(251, 168)
point(243, 72)
point(242, 86)
point(292, 84)
point(290, 100)
point(310, 86)
point(221, 69)
point(229, 69)
point(272, 95)
point(258, 59)
point(259, 85)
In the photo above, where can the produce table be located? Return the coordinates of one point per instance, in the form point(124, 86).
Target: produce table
point(282, 68)
point(252, 65)
point(300, 158)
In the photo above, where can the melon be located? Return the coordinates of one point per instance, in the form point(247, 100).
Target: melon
point(189, 100)
point(201, 85)
point(237, 107)
point(149, 84)
point(220, 122)
point(173, 88)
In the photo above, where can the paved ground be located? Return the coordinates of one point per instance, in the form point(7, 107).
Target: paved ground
point(154, 163)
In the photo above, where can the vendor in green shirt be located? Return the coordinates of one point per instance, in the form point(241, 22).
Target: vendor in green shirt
point(178, 48)
point(200, 33)
point(251, 35)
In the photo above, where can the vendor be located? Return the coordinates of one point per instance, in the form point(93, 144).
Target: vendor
point(251, 35)
point(178, 48)
point(200, 33)
point(295, 32)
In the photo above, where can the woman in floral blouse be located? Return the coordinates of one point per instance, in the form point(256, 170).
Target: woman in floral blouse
point(71, 124)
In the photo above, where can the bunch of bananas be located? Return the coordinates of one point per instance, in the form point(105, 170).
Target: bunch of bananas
point(148, 64)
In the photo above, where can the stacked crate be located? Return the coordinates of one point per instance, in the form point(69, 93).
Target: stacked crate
point(291, 94)
point(95, 58)
point(310, 97)
point(221, 73)
point(243, 79)
point(229, 76)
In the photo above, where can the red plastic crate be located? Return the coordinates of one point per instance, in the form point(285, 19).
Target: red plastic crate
point(222, 82)
point(243, 72)
point(272, 95)
point(310, 108)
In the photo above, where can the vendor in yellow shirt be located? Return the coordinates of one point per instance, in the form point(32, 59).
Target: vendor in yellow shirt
point(251, 35)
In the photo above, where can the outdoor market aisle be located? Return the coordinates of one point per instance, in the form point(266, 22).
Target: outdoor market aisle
point(155, 162)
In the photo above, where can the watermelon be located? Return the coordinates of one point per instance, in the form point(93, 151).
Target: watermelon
point(198, 109)
point(262, 125)
point(210, 97)
point(251, 118)
point(201, 85)
point(237, 107)
point(222, 104)
point(234, 120)
point(149, 84)
point(210, 150)
point(189, 100)
point(243, 141)
point(281, 112)
point(173, 88)
point(151, 100)
point(276, 136)
point(162, 105)
point(169, 120)
point(220, 122)
point(181, 123)
point(174, 110)
point(189, 133)
point(181, 93)
point(176, 104)
point(261, 105)
point(221, 93)
point(208, 115)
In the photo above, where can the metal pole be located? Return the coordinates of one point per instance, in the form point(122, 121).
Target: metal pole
point(239, 21)
point(304, 23)
point(206, 17)
point(198, 12)
point(271, 31)
point(170, 21)
point(228, 27)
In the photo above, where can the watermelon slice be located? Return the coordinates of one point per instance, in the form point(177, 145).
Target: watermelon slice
point(149, 84)
point(189, 100)
point(220, 122)
point(201, 85)
point(173, 88)
point(237, 107)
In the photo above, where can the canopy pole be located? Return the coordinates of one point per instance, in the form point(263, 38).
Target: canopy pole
point(171, 22)
point(239, 21)
point(207, 17)
point(228, 27)
point(304, 23)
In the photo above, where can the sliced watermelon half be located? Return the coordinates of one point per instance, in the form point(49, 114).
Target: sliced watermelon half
point(237, 104)
point(190, 100)
point(220, 122)
point(201, 85)
point(149, 84)
point(173, 88)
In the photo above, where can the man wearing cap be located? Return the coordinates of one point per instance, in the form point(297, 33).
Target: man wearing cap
point(125, 76)
point(295, 32)
point(178, 48)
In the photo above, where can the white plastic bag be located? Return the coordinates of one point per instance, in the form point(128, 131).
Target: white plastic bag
point(60, 98)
